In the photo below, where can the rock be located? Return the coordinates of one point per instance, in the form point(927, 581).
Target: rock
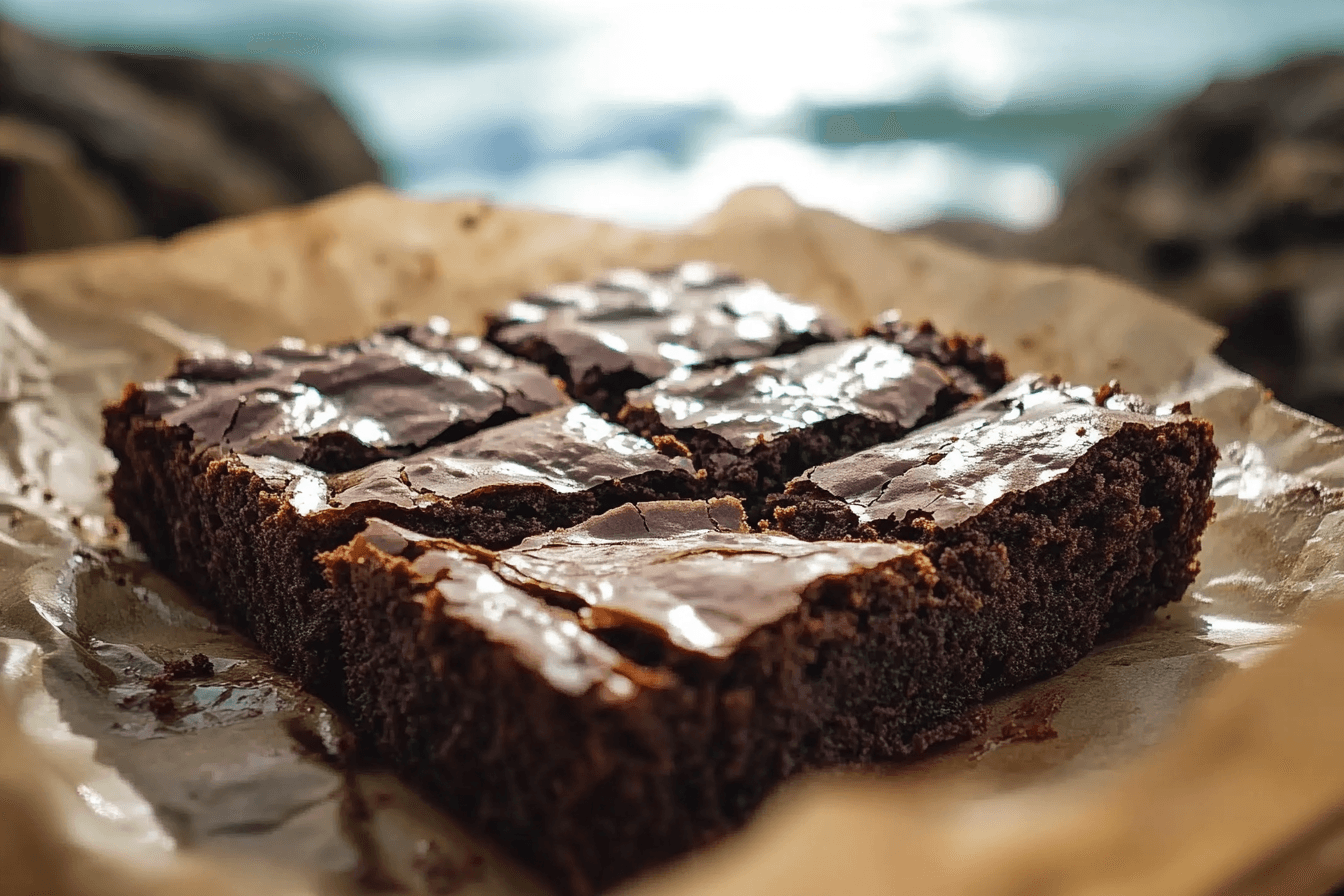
point(1232, 204)
point(269, 111)
point(183, 142)
point(51, 201)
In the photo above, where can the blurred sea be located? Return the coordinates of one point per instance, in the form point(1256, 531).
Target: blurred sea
point(889, 112)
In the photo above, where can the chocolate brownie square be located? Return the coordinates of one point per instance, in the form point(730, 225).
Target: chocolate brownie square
point(1085, 508)
point(603, 699)
point(341, 407)
point(631, 327)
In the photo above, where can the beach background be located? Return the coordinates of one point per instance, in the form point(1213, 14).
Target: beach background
point(892, 113)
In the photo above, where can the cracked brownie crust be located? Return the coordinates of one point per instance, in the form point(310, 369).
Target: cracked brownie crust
point(339, 408)
point(631, 328)
point(608, 697)
point(755, 425)
point(1091, 504)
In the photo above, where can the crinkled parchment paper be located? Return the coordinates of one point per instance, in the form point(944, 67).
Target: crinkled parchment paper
point(1199, 754)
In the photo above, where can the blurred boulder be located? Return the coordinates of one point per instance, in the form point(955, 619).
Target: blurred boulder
point(50, 200)
point(268, 110)
point(180, 141)
point(1232, 204)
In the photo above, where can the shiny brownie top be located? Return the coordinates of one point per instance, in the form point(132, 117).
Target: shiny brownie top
point(1030, 432)
point(649, 324)
point(341, 407)
point(575, 605)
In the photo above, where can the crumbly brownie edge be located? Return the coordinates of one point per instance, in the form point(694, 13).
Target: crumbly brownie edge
point(489, 738)
point(1094, 550)
point(204, 521)
point(216, 527)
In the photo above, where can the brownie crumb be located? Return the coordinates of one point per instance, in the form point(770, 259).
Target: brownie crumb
point(162, 705)
point(1030, 722)
point(671, 446)
point(199, 666)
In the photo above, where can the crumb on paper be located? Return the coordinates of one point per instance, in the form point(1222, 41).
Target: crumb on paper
point(199, 666)
point(1032, 721)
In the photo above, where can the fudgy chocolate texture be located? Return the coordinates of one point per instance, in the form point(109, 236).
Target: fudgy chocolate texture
point(755, 425)
point(243, 531)
point(341, 407)
point(967, 359)
point(604, 699)
point(1088, 506)
point(601, 696)
point(632, 327)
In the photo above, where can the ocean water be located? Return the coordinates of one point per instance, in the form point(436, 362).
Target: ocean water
point(652, 113)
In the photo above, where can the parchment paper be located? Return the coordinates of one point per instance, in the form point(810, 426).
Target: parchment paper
point(1188, 757)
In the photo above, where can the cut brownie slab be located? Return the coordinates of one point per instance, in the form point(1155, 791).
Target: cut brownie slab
point(343, 406)
point(1064, 511)
point(603, 699)
point(244, 530)
point(755, 425)
point(632, 327)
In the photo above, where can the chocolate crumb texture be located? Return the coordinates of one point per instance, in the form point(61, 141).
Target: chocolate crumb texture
point(598, 582)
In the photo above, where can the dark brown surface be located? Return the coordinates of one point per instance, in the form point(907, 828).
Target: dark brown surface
point(756, 425)
point(603, 699)
point(268, 110)
point(163, 143)
point(342, 407)
point(1230, 203)
point(1092, 505)
point(242, 531)
point(631, 328)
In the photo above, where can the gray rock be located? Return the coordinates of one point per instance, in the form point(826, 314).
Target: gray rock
point(266, 109)
point(182, 141)
point(1232, 204)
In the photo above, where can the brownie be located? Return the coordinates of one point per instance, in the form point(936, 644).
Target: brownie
point(341, 407)
point(755, 425)
point(530, 610)
point(631, 327)
point(967, 359)
point(603, 699)
point(243, 531)
point(1066, 512)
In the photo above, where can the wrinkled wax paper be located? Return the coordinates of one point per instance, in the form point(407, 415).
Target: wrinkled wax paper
point(129, 773)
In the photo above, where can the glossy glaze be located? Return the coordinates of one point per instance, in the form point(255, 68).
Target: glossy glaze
point(1024, 436)
point(754, 400)
point(653, 323)
point(392, 393)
